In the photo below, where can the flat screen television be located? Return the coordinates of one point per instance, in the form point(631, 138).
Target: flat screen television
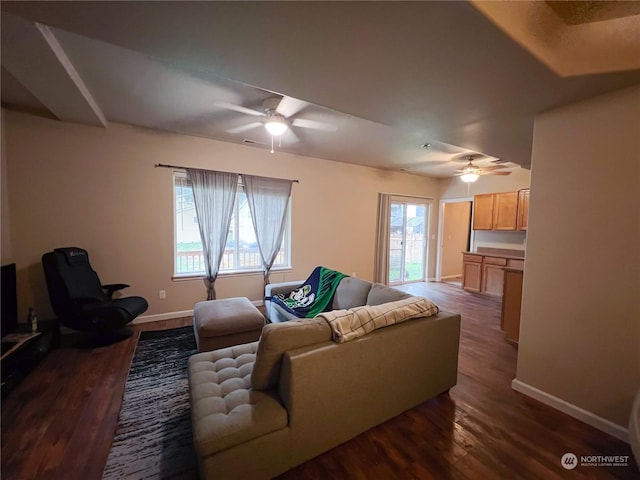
point(8, 299)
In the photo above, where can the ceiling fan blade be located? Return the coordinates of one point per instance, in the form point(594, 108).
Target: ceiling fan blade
point(244, 128)
point(249, 141)
point(494, 173)
point(239, 109)
point(289, 106)
point(304, 123)
point(494, 167)
point(468, 157)
point(291, 137)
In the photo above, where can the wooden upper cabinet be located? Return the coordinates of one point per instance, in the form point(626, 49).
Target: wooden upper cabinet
point(505, 211)
point(495, 211)
point(483, 212)
point(523, 209)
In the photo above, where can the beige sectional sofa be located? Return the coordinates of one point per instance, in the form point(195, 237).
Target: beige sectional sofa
point(261, 408)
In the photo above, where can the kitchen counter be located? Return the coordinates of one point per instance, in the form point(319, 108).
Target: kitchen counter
point(499, 272)
point(483, 270)
point(498, 253)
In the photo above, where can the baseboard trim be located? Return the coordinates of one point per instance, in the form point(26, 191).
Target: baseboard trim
point(171, 315)
point(162, 316)
point(607, 426)
point(451, 276)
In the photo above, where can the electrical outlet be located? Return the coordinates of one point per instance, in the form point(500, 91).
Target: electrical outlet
point(162, 294)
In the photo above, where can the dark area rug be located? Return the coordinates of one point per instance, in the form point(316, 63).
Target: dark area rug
point(153, 438)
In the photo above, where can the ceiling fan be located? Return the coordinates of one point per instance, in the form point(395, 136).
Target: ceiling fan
point(280, 115)
point(471, 172)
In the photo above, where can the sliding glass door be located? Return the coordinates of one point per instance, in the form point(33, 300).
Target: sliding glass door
point(408, 242)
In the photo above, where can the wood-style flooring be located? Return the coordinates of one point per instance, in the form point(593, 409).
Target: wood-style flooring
point(59, 422)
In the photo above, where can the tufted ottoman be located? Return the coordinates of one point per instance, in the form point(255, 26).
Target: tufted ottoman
point(226, 412)
point(226, 322)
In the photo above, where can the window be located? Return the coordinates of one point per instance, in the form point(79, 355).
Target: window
point(241, 252)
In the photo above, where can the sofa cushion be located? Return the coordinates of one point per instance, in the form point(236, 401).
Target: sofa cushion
point(225, 411)
point(380, 294)
point(278, 338)
point(351, 292)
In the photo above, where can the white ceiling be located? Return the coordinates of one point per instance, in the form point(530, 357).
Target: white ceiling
point(389, 76)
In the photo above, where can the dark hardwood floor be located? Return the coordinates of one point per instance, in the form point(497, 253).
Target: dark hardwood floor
point(59, 422)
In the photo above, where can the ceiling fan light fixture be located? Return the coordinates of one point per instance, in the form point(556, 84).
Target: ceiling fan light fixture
point(471, 173)
point(469, 177)
point(276, 125)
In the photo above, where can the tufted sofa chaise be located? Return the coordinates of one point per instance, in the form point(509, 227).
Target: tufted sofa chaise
point(261, 408)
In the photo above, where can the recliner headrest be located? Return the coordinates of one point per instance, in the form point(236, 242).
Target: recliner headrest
point(74, 255)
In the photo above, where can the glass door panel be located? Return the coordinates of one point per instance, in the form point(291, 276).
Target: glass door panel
point(407, 242)
point(414, 243)
point(396, 251)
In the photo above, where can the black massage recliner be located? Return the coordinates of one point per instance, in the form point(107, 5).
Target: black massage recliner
point(78, 298)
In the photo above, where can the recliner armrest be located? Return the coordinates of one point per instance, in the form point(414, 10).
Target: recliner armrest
point(113, 287)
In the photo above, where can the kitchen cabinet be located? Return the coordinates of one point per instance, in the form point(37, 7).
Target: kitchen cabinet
point(484, 273)
point(471, 272)
point(515, 263)
point(483, 212)
point(495, 211)
point(505, 211)
point(493, 275)
point(523, 209)
point(511, 304)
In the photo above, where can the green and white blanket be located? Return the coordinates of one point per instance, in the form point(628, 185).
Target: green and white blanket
point(314, 296)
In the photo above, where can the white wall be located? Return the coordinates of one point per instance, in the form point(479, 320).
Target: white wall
point(98, 189)
point(580, 326)
point(510, 240)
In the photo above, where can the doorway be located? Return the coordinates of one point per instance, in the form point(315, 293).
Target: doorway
point(408, 235)
point(455, 236)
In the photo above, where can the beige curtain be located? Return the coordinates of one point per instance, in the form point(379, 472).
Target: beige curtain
point(214, 194)
point(268, 200)
point(381, 267)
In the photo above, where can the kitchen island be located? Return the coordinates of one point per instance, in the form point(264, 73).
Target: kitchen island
point(483, 269)
point(497, 272)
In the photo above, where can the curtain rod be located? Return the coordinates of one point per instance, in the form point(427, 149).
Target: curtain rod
point(163, 165)
point(407, 195)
